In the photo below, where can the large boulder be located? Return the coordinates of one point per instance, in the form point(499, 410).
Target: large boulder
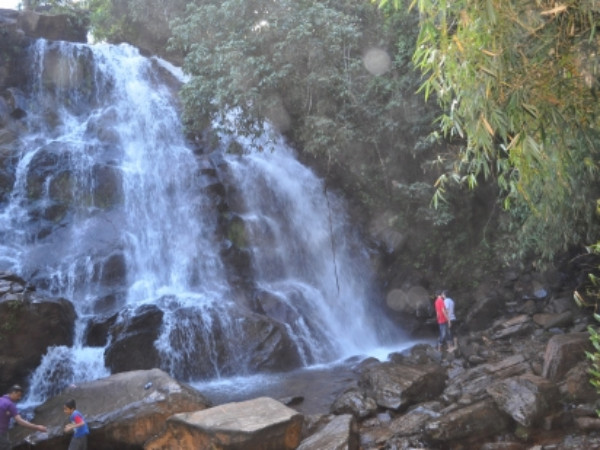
point(527, 398)
point(471, 385)
point(415, 420)
point(340, 433)
point(470, 423)
point(576, 386)
point(59, 27)
point(397, 386)
point(485, 309)
point(270, 345)
point(564, 351)
point(258, 424)
point(31, 323)
point(354, 401)
point(123, 411)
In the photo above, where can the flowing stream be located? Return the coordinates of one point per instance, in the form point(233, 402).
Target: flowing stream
point(115, 211)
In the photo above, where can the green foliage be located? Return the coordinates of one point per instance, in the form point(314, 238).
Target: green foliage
point(394, 4)
point(126, 20)
point(105, 24)
point(594, 357)
point(590, 298)
point(267, 60)
point(517, 81)
point(49, 4)
point(297, 64)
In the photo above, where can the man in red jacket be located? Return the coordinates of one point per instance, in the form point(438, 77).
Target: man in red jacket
point(442, 319)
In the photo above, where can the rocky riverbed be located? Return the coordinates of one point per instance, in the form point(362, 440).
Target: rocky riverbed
point(520, 383)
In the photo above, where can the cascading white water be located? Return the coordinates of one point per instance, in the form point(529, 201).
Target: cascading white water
point(102, 113)
point(305, 252)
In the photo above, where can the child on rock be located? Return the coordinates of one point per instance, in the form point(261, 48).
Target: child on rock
point(78, 425)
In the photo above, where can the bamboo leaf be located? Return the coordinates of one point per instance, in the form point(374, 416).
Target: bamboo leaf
point(487, 125)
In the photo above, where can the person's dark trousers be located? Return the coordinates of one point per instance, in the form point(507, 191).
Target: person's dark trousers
point(443, 334)
point(78, 443)
point(4, 442)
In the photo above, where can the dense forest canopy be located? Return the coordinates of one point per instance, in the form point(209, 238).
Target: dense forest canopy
point(516, 82)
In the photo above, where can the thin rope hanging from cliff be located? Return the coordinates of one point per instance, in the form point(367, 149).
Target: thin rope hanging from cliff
point(337, 280)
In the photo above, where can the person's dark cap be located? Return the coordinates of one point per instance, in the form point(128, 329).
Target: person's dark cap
point(15, 388)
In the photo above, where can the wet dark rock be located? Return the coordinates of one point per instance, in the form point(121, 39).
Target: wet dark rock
point(292, 401)
point(414, 421)
point(113, 270)
point(270, 346)
point(133, 331)
point(270, 304)
point(109, 303)
point(108, 191)
point(31, 323)
point(504, 446)
point(97, 331)
point(562, 304)
point(258, 343)
point(16, 102)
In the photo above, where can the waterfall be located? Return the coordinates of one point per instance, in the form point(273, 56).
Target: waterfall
point(115, 211)
point(304, 250)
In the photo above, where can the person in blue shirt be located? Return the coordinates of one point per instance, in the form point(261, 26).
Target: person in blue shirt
point(8, 411)
point(78, 425)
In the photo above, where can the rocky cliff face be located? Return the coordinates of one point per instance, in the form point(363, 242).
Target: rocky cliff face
point(18, 30)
